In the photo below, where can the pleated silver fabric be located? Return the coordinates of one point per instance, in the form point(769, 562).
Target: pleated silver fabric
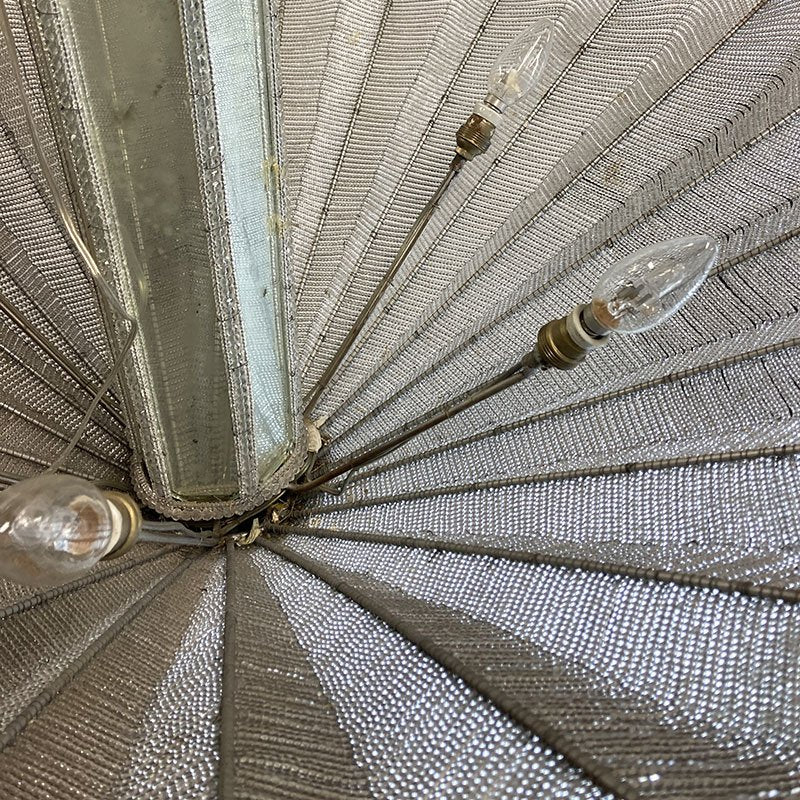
point(586, 586)
point(50, 376)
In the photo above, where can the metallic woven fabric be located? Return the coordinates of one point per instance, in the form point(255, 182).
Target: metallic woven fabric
point(584, 587)
point(176, 741)
point(285, 740)
point(417, 730)
point(43, 283)
point(578, 650)
point(108, 685)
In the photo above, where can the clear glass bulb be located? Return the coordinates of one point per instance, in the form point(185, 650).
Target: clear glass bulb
point(650, 285)
point(54, 528)
point(516, 71)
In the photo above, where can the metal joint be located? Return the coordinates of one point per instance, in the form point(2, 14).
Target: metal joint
point(131, 523)
point(563, 343)
point(474, 137)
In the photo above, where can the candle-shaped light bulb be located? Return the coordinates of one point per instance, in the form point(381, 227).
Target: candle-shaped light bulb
point(513, 75)
point(650, 285)
point(54, 528)
point(518, 67)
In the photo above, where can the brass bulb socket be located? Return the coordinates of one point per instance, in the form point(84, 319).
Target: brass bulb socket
point(131, 522)
point(563, 343)
point(474, 137)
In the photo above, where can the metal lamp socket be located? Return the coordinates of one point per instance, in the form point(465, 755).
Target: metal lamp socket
point(127, 520)
point(474, 137)
point(563, 343)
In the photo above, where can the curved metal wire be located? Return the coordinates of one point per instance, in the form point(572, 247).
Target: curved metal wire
point(77, 240)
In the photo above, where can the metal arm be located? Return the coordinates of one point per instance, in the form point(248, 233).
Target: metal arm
point(561, 344)
point(473, 139)
point(402, 254)
point(521, 371)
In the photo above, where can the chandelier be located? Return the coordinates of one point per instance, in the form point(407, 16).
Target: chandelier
point(475, 322)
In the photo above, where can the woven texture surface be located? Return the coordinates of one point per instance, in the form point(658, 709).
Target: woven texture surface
point(285, 741)
point(418, 730)
point(43, 282)
point(582, 653)
point(586, 586)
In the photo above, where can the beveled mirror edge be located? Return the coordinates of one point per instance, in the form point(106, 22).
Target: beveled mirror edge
point(152, 491)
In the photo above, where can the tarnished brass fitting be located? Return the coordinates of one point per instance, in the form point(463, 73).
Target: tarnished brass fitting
point(564, 343)
point(130, 522)
point(474, 137)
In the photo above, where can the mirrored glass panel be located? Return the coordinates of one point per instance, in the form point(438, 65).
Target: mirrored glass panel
point(169, 111)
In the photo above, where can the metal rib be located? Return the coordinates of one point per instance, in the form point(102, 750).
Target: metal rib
point(301, 283)
point(780, 451)
point(40, 598)
point(585, 762)
point(69, 366)
point(696, 581)
point(417, 229)
point(64, 678)
point(41, 462)
point(100, 421)
point(227, 754)
point(672, 377)
point(8, 478)
point(24, 412)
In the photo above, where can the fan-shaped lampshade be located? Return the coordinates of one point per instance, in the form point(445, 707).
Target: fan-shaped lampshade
point(585, 586)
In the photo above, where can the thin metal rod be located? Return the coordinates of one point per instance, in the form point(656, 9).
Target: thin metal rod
point(343, 149)
point(491, 382)
point(24, 412)
point(691, 579)
point(406, 247)
point(69, 366)
point(41, 462)
point(27, 714)
point(510, 377)
point(172, 532)
point(65, 395)
point(589, 402)
point(227, 724)
point(477, 679)
point(174, 539)
point(6, 477)
point(75, 237)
